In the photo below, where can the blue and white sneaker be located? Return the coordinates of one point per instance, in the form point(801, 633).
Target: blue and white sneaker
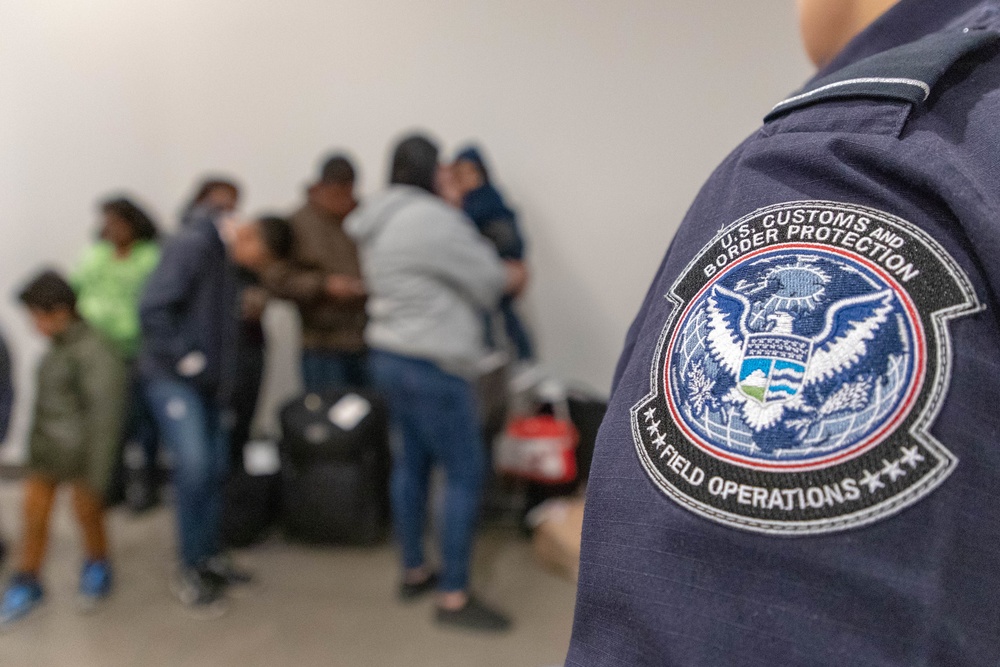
point(95, 584)
point(23, 595)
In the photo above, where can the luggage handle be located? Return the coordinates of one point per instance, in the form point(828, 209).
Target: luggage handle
point(555, 395)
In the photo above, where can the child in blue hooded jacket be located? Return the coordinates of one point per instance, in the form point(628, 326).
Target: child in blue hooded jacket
point(484, 204)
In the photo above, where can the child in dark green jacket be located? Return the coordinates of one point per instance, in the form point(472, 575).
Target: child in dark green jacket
point(76, 428)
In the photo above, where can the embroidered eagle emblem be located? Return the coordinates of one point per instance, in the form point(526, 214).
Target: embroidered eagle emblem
point(773, 366)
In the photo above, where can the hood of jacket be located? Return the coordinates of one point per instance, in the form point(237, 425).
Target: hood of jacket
point(367, 221)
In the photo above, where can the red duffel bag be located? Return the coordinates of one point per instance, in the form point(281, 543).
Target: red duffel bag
point(540, 448)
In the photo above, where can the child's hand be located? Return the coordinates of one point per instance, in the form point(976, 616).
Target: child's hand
point(517, 277)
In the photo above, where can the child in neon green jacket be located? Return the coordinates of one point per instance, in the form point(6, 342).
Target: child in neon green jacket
point(109, 282)
point(113, 272)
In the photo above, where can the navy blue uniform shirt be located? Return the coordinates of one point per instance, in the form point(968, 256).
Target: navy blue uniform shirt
point(800, 464)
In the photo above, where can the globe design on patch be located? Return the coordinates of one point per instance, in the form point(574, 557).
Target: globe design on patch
point(792, 356)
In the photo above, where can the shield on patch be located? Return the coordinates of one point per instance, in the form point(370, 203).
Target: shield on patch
point(773, 366)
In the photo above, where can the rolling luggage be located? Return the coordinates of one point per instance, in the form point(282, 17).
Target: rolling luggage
point(335, 467)
point(586, 413)
point(252, 495)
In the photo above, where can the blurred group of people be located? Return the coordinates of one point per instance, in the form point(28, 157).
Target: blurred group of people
point(160, 342)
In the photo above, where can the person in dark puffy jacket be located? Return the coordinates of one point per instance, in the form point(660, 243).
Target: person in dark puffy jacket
point(191, 317)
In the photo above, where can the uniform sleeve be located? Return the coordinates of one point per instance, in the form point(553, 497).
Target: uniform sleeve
point(165, 296)
point(102, 387)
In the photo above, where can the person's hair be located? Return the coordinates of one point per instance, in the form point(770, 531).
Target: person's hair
point(48, 291)
point(337, 169)
point(207, 185)
point(277, 235)
point(415, 162)
point(142, 226)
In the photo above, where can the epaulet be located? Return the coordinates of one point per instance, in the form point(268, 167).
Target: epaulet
point(906, 73)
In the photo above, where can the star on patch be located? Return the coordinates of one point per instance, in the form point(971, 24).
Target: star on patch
point(872, 481)
point(911, 456)
point(660, 440)
point(650, 414)
point(893, 470)
point(653, 428)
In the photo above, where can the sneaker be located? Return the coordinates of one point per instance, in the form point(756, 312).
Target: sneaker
point(95, 584)
point(202, 597)
point(474, 616)
point(23, 595)
point(222, 571)
point(410, 592)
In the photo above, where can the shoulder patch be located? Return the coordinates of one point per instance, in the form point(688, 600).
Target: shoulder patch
point(803, 362)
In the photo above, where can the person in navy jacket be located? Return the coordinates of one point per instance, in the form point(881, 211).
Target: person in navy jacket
point(191, 316)
point(799, 464)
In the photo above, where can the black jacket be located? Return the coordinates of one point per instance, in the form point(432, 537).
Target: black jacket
point(191, 304)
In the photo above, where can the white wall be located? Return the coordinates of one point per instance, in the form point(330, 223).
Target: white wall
point(602, 119)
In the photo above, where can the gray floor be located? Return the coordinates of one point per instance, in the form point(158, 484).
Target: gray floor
point(314, 607)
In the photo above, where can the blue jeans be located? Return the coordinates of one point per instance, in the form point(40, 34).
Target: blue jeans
point(333, 370)
point(192, 427)
point(435, 413)
point(139, 431)
point(140, 425)
point(516, 332)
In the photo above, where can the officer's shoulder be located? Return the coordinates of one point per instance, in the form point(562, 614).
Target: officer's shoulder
point(910, 75)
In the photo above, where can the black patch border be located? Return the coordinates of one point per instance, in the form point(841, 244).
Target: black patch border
point(916, 423)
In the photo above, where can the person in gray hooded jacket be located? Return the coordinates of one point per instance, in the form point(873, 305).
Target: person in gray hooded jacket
point(429, 274)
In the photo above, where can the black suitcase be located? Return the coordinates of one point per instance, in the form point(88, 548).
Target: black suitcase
point(251, 503)
point(587, 413)
point(335, 468)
